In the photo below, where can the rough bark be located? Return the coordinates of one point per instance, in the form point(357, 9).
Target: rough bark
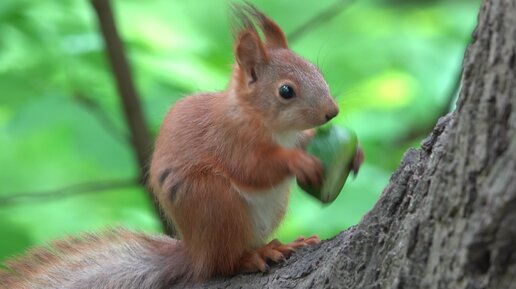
point(447, 219)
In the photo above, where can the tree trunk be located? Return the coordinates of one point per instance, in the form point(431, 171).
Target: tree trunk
point(447, 219)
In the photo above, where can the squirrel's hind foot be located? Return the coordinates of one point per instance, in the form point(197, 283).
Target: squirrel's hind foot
point(273, 252)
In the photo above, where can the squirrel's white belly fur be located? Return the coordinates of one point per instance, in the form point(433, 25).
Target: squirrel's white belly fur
point(267, 206)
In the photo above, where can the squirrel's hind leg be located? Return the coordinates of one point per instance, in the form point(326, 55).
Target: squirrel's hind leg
point(214, 223)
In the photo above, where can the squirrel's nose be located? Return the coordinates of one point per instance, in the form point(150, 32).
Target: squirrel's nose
point(331, 114)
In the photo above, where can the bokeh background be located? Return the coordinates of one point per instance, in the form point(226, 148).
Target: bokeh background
point(393, 66)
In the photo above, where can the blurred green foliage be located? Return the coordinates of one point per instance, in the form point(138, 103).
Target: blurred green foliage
point(392, 65)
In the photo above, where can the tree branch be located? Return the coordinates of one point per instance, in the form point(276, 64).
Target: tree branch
point(73, 190)
point(140, 135)
point(320, 18)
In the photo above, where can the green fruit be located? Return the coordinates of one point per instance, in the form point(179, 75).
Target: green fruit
point(336, 148)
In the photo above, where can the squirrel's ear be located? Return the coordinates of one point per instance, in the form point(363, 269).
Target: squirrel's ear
point(249, 53)
point(274, 36)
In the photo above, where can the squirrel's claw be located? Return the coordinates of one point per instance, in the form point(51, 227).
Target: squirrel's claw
point(357, 160)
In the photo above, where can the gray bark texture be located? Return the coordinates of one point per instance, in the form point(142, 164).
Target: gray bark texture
point(447, 219)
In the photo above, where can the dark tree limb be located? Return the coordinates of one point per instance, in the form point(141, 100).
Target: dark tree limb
point(140, 135)
point(318, 19)
point(73, 190)
point(447, 218)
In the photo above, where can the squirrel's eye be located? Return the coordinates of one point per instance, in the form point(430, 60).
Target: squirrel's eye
point(286, 91)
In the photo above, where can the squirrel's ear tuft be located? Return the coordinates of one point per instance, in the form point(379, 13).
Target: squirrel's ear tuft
point(247, 14)
point(274, 36)
point(249, 53)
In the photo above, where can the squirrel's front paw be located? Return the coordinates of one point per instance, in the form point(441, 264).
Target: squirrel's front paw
point(358, 159)
point(307, 168)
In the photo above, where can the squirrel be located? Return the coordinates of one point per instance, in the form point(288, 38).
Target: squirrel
point(221, 171)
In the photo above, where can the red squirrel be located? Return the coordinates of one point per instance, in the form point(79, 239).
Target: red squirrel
point(221, 171)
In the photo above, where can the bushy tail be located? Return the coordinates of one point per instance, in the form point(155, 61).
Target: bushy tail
point(116, 259)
